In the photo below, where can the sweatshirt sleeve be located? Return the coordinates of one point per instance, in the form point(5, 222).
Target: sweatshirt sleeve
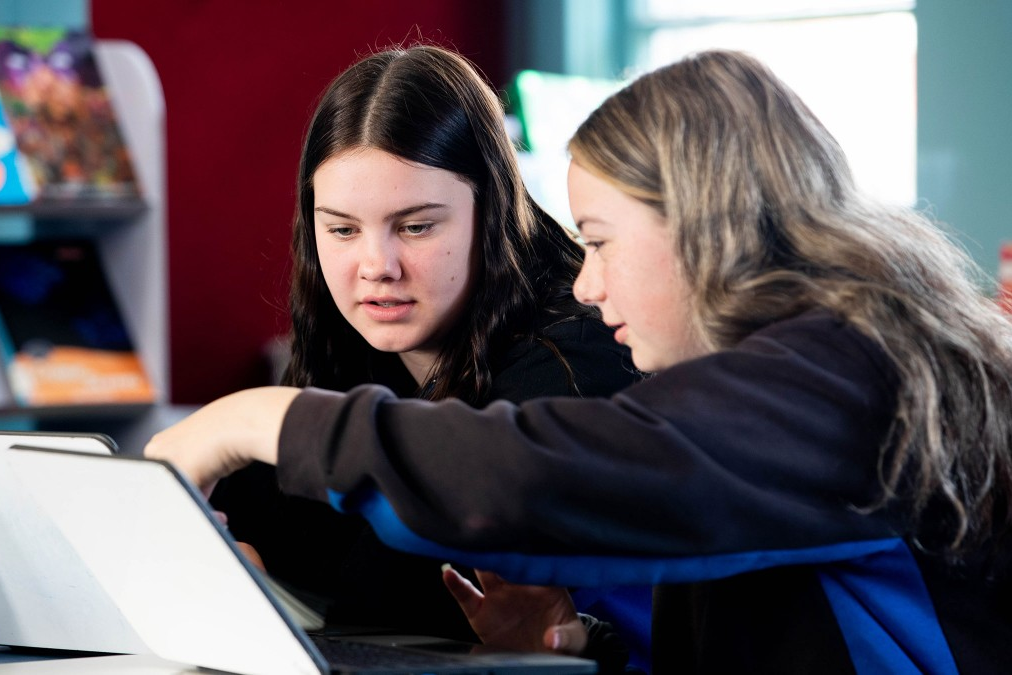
point(755, 456)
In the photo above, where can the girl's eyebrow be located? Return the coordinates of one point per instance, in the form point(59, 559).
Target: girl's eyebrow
point(589, 220)
point(400, 213)
point(415, 209)
point(334, 212)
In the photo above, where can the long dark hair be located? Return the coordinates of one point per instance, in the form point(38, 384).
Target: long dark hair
point(430, 106)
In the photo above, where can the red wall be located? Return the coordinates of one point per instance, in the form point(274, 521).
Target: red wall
point(240, 81)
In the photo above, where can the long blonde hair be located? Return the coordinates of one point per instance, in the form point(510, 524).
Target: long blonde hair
point(768, 224)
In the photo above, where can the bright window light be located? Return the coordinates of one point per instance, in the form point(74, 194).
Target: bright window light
point(856, 71)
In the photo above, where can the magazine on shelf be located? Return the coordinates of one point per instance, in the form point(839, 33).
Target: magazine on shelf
point(59, 138)
point(17, 186)
point(63, 341)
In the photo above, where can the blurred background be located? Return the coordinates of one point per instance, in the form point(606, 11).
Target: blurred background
point(918, 94)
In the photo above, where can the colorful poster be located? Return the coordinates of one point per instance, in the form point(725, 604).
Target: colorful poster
point(61, 117)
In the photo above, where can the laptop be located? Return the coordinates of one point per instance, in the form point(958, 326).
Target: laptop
point(132, 560)
point(60, 440)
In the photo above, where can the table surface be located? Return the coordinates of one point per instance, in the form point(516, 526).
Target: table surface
point(122, 664)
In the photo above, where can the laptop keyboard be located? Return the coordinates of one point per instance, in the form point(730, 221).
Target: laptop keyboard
point(345, 652)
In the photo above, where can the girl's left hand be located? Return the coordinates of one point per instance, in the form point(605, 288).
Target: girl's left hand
point(511, 616)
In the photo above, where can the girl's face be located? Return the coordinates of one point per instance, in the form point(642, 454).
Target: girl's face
point(395, 245)
point(631, 273)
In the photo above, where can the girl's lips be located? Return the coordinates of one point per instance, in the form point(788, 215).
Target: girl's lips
point(388, 310)
point(621, 333)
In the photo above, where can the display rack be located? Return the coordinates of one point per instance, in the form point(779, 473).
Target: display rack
point(131, 239)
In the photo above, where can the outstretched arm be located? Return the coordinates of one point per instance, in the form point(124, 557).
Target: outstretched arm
point(685, 476)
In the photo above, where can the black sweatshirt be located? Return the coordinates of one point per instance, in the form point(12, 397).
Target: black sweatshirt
point(733, 482)
point(335, 561)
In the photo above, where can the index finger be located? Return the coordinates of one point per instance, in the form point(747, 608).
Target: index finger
point(463, 591)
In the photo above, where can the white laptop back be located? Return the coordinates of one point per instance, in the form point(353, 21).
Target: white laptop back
point(135, 565)
point(48, 597)
point(135, 562)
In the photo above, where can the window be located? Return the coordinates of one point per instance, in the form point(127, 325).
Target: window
point(854, 63)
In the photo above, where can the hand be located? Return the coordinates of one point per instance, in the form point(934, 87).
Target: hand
point(247, 550)
point(225, 435)
point(510, 616)
point(251, 555)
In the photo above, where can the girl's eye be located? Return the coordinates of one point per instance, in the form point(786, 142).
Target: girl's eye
point(417, 228)
point(589, 243)
point(341, 231)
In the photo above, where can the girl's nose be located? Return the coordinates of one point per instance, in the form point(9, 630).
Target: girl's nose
point(380, 261)
point(588, 287)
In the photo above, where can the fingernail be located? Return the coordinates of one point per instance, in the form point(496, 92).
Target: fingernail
point(557, 640)
point(445, 566)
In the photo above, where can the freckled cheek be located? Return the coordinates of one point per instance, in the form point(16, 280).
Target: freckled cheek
point(458, 273)
point(337, 268)
point(610, 283)
point(339, 288)
point(340, 273)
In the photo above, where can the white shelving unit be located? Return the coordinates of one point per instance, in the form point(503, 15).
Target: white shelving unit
point(134, 251)
point(132, 242)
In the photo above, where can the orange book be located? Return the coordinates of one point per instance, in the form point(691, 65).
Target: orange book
point(62, 338)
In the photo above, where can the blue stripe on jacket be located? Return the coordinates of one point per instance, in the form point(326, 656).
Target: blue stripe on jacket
point(874, 587)
point(886, 615)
